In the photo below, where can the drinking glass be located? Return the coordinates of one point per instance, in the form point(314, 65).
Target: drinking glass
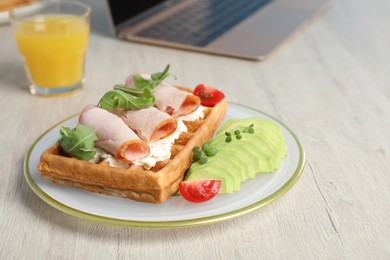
point(52, 38)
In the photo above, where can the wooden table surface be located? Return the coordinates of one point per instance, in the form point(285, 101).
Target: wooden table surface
point(330, 85)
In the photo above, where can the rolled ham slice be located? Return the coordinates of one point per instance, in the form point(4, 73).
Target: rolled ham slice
point(174, 101)
point(114, 135)
point(170, 99)
point(151, 123)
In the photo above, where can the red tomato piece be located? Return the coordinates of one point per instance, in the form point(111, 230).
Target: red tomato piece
point(209, 96)
point(199, 191)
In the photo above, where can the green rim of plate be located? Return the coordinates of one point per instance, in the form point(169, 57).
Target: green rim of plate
point(166, 224)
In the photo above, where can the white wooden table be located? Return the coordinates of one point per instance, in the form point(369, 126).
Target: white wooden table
point(330, 85)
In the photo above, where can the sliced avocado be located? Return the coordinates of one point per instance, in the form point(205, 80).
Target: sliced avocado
point(269, 131)
point(264, 160)
point(224, 166)
point(259, 152)
point(234, 124)
point(237, 164)
point(242, 154)
point(258, 124)
point(214, 171)
point(274, 134)
point(226, 183)
point(239, 156)
point(275, 145)
point(267, 147)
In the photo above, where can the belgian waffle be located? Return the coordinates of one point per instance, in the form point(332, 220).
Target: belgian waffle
point(136, 183)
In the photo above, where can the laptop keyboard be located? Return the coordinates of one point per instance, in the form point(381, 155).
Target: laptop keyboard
point(202, 22)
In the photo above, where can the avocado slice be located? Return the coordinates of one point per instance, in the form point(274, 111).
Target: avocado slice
point(265, 129)
point(242, 153)
point(225, 168)
point(209, 174)
point(214, 171)
point(262, 157)
point(240, 156)
point(240, 160)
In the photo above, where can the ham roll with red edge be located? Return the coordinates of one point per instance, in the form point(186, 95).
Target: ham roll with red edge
point(170, 99)
point(114, 135)
point(150, 122)
point(174, 101)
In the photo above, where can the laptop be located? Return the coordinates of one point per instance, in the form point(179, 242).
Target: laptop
point(249, 29)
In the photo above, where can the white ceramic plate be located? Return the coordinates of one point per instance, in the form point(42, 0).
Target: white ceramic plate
point(175, 212)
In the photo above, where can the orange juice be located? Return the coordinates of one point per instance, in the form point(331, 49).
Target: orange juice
point(53, 47)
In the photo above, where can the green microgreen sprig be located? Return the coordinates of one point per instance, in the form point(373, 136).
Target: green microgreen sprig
point(228, 138)
point(201, 155)
point(238, 133)
point(249, 129)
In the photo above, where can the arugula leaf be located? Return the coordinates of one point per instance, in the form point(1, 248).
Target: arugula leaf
point(79, 142)
point(118, 99)
point(140, 82)
point(133, 91)
point(161, 75)
point(127, 97)
point(154, 82)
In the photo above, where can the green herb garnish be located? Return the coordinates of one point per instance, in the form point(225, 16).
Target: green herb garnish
point(209, 150)
point(201, 156)
point(79, 142)
point(247, 130)
point(203, 159)
point(154, 82)
point(141, 84)
point(228, 138)
point(237, 133)
point(205, 146)
point(132, 91)
point(127, 97)
point(198, 154)
point(117, 99)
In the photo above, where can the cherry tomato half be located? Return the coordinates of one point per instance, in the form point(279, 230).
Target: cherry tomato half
point(199, 191)
point(209, 96)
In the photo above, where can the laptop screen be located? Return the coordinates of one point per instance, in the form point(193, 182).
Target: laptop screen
point(122, 11)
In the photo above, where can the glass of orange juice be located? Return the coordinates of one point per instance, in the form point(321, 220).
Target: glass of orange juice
point(52, 38)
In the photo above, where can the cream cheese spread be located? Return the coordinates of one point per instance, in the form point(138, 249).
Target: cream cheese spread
point(160, 150)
